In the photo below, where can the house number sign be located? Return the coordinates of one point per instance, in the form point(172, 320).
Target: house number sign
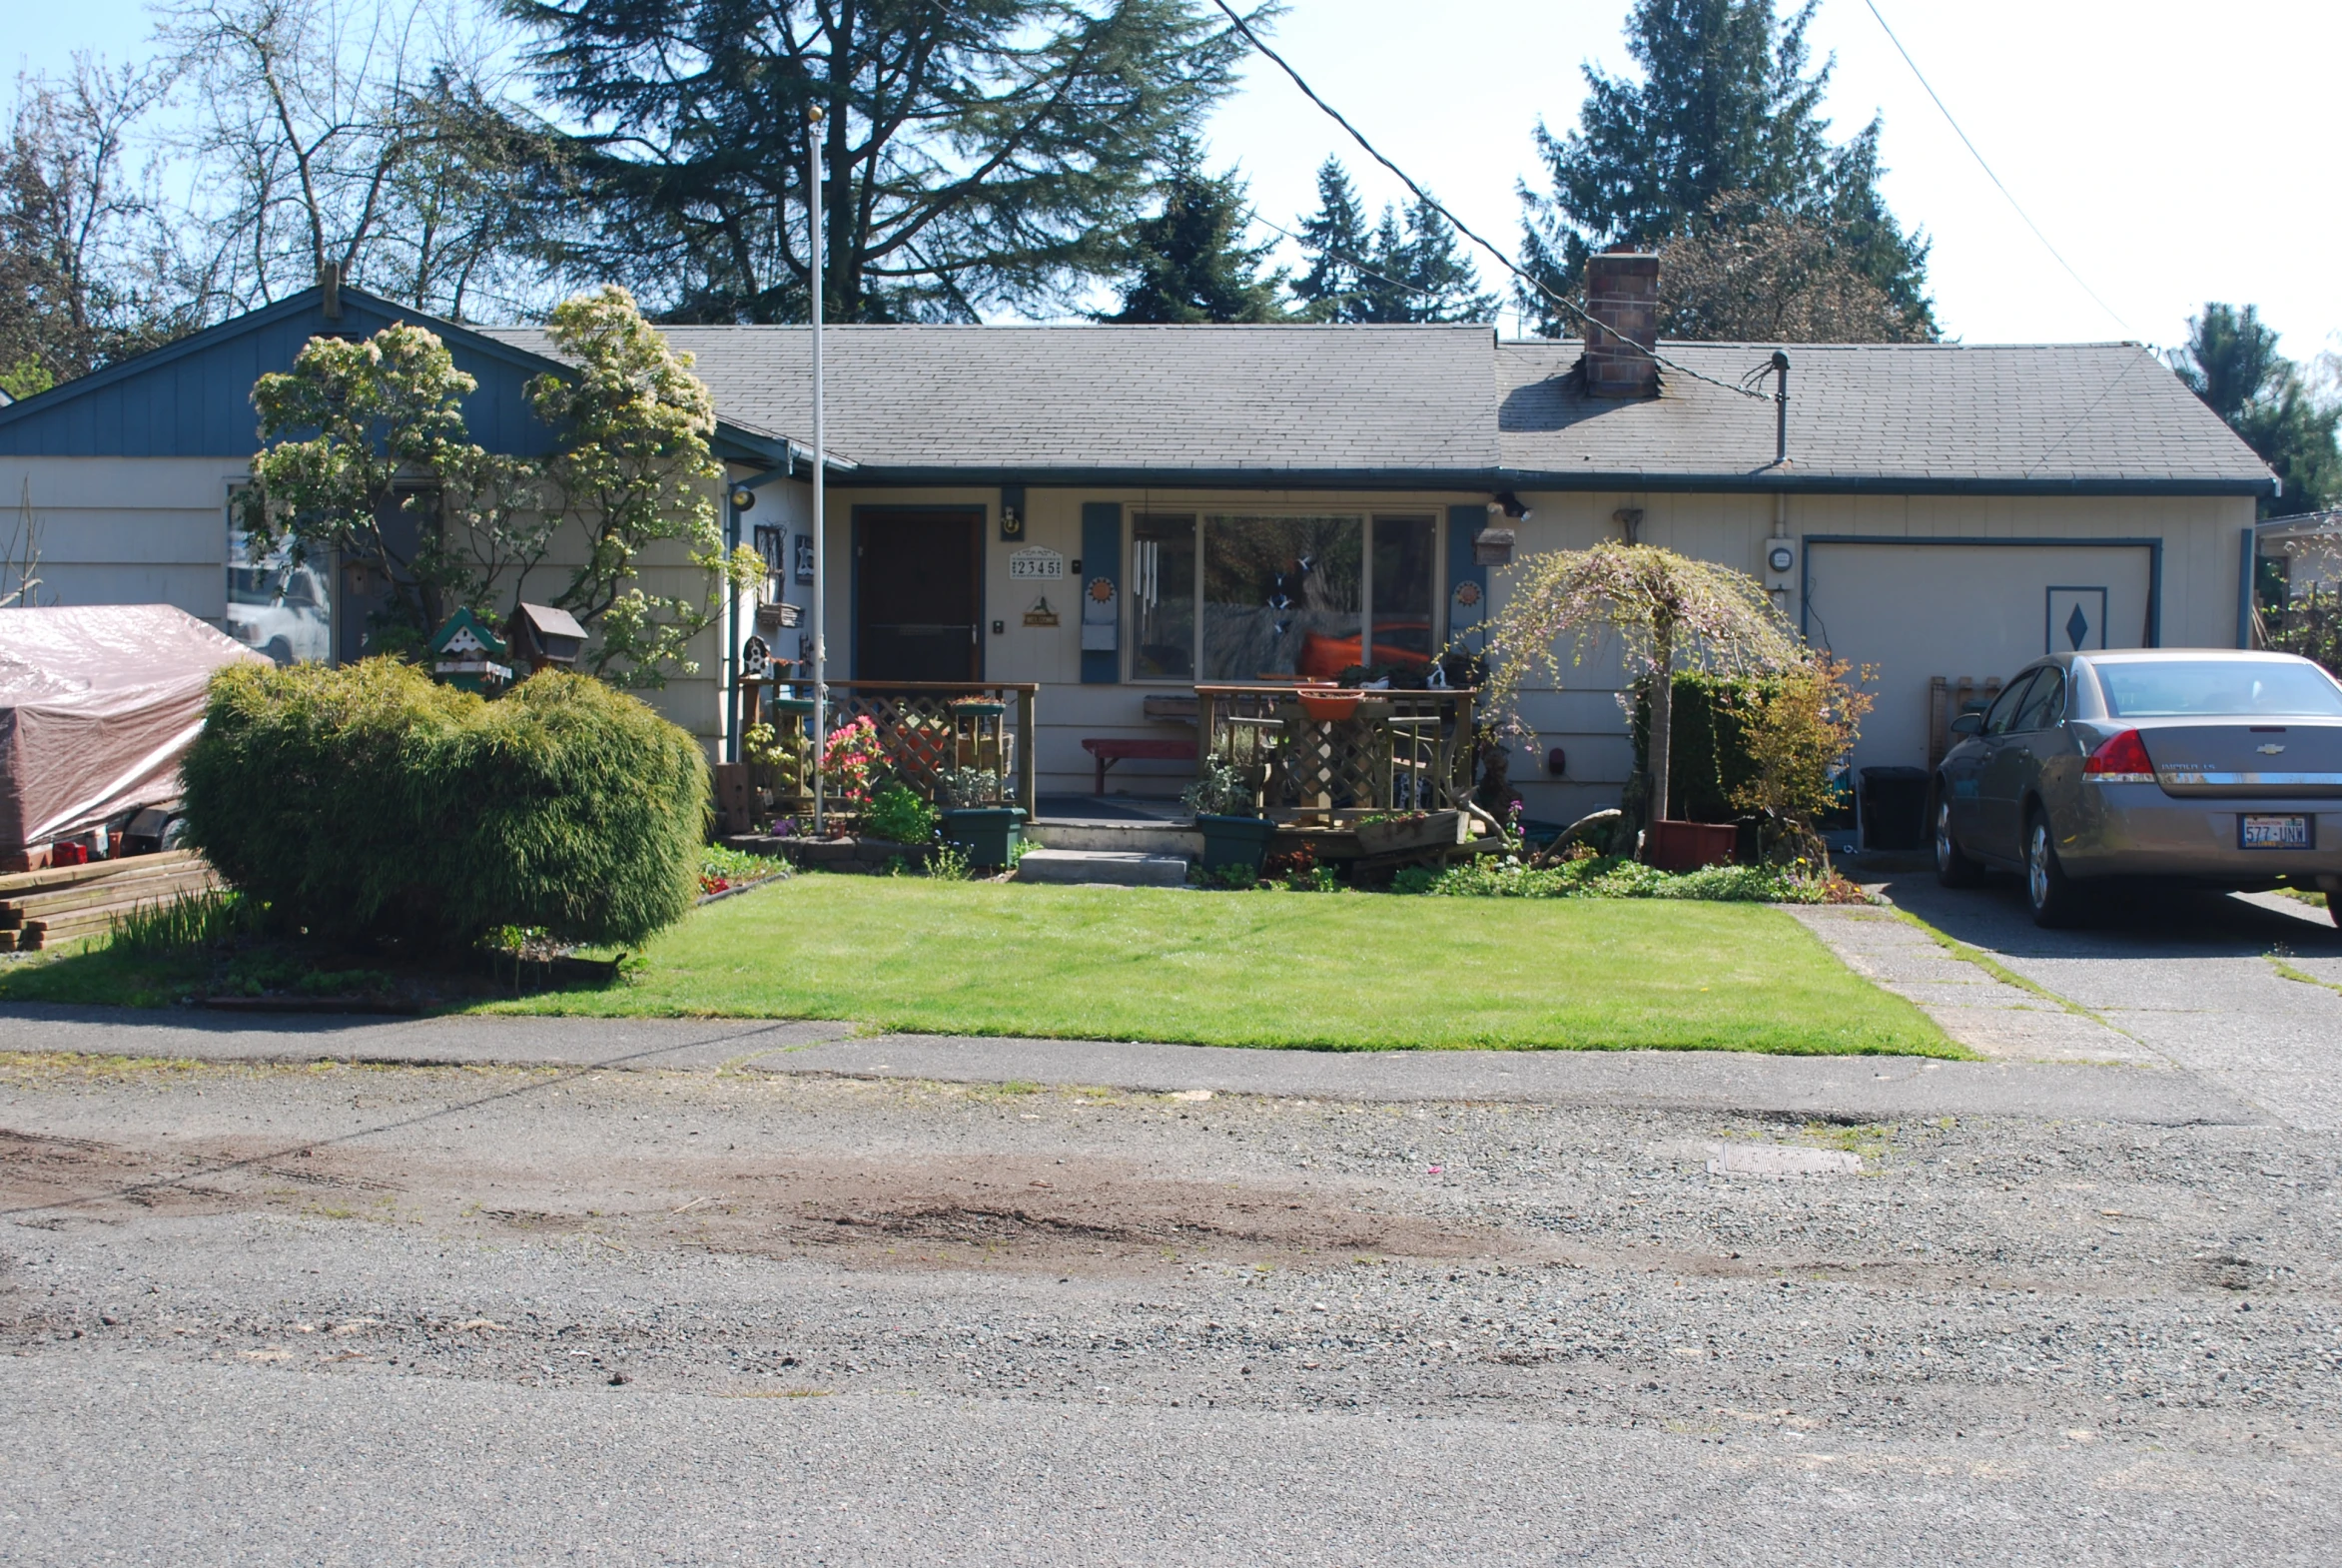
point(1036, 560)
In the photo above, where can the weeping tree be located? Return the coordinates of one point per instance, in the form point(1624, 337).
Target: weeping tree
point(1667, 612)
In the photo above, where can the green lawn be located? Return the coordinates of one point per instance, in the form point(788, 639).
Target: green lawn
point(1344, 971)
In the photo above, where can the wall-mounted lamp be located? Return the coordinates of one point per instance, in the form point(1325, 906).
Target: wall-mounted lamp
point(1506, 504)
point(743, 499)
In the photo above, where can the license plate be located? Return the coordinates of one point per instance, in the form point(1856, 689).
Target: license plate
point(2276, 833)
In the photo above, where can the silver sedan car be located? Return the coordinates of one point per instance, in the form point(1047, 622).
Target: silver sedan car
point(2199, 766)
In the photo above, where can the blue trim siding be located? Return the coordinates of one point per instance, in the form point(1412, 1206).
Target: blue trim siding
point(2245, 571)
point(2153, 548)
point(1463, 523)
point(1639, 483)
point(1102, 556)
point(193, 397)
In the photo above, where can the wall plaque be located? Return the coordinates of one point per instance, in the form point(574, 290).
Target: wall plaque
point(1036, 560)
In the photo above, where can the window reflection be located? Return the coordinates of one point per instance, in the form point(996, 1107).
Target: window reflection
point(1279, 593)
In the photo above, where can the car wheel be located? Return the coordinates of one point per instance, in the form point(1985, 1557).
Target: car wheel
point(1954, 868)
point(2055, 900)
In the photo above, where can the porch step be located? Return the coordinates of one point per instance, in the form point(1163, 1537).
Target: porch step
point(1117, 868)
point(1129, 838)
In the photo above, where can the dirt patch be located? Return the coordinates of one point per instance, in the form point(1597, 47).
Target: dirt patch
point(1004, 1212)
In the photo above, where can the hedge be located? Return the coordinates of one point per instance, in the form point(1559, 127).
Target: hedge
point(370, 801)
point(1708, 758)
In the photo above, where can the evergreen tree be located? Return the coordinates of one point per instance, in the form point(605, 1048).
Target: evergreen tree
point(1401, 272)
point(2231, 362)
point(1443, 285)
point(1191, 263)
point(1333, 239)
point(1726, 106)
point(979, 153)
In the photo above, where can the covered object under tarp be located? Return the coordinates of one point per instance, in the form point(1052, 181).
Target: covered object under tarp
point(97, 706)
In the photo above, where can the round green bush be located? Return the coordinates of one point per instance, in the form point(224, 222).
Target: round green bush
point(370, 801)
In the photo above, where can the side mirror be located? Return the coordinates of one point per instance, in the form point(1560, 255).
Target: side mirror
point(1969, 724)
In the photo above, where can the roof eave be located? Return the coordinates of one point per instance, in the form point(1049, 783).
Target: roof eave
point(1494, 478)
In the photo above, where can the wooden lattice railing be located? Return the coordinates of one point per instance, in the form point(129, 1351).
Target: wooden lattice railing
point(1399, 751)
point(927, 728)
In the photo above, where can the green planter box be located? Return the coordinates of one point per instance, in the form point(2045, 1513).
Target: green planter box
point(985, 832)
point(1233, 841)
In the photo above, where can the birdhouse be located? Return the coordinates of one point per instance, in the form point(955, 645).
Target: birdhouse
point(545, 638)
point(467, 654)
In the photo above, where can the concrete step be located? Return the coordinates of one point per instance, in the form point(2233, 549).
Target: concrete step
point(1129, 838)
point(1117, 868)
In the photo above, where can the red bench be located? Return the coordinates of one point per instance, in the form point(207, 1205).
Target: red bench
point(1108, 752)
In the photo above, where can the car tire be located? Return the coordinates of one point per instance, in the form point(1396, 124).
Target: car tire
point(2056, 902)
point(1954, 867)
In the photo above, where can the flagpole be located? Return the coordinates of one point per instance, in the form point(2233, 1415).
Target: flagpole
point(813, 118)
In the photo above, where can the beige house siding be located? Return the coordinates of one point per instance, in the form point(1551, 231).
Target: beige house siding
point(1582, 715)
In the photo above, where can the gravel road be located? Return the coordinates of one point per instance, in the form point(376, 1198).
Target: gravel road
point(325, 1313)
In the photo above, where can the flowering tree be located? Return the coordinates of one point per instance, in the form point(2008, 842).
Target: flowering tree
point(359, 432)
point(1668, 612)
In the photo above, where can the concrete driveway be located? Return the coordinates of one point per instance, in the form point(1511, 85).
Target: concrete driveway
point(2244, 991)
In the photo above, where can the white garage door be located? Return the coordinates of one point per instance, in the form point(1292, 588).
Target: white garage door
point(1914, 611)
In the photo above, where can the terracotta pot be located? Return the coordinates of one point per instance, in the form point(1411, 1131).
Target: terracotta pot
point(1687, 846)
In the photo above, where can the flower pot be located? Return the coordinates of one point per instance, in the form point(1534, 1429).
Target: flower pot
point(979, 708)
point(1328, 704)
point(987, 833)
point(1397, 834)
point(1233, 841)
point(1687, 846)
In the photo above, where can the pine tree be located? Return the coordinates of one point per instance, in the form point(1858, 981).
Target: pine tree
point(1726, 107)
point(2231, 362)
point(1410, 272)
point(1190, 262)
point(1333, 239)
point(1443, 284)
point(979, 153)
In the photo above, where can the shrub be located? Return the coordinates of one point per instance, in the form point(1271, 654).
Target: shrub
point(370, 801)
point(1607, 877)
point(899, 814)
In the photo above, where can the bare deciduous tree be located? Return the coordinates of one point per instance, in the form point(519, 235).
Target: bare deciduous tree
point(83, 239)
point(324, 135)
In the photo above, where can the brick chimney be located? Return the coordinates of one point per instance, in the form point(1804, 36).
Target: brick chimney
point(1622, 297)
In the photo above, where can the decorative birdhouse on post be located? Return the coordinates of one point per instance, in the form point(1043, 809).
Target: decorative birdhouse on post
point(467, 654)
point(545, 638)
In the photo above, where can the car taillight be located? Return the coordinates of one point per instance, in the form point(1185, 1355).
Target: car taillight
point(2121, 759)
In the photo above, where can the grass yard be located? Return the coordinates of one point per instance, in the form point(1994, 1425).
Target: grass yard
point(1335, 971)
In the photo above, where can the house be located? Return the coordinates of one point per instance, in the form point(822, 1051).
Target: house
point(1116, 512)
point(2300, 555)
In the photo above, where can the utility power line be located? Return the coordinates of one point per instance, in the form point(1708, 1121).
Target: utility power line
point(1988, 168)
point(1463, 228)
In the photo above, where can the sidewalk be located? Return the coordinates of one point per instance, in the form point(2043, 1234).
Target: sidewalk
point(1847, 1088)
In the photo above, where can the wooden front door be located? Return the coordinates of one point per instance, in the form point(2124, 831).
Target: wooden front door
point(918, 596)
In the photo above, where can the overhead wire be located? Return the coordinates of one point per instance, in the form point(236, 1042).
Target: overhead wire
point(1463, 228)
point(2014, 205)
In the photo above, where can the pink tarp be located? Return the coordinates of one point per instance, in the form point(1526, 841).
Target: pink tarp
point(97, 706)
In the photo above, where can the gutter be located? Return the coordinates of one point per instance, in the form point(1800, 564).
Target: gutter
point(1501, 478)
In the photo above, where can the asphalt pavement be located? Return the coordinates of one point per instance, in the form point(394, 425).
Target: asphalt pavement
point(2243, 994)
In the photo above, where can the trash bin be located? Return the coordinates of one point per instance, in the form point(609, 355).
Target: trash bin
point(1895, 808)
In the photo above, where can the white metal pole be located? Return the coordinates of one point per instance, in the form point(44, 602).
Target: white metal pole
point(821, 530)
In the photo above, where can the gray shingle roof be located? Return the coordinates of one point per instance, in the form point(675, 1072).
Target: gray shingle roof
point(1429, 402)
point(1936, 413)
point(1210, 398)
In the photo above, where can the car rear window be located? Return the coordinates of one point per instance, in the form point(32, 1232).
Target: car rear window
point(2163, 688)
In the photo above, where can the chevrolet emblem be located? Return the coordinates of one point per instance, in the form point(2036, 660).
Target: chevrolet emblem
point(2270, 750)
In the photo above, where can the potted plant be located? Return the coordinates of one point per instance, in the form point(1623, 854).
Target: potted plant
point(1234, 834)
point(976, 819)
point(1391, 833)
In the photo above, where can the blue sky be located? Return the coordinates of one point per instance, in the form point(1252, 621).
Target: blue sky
point(2172, 152)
